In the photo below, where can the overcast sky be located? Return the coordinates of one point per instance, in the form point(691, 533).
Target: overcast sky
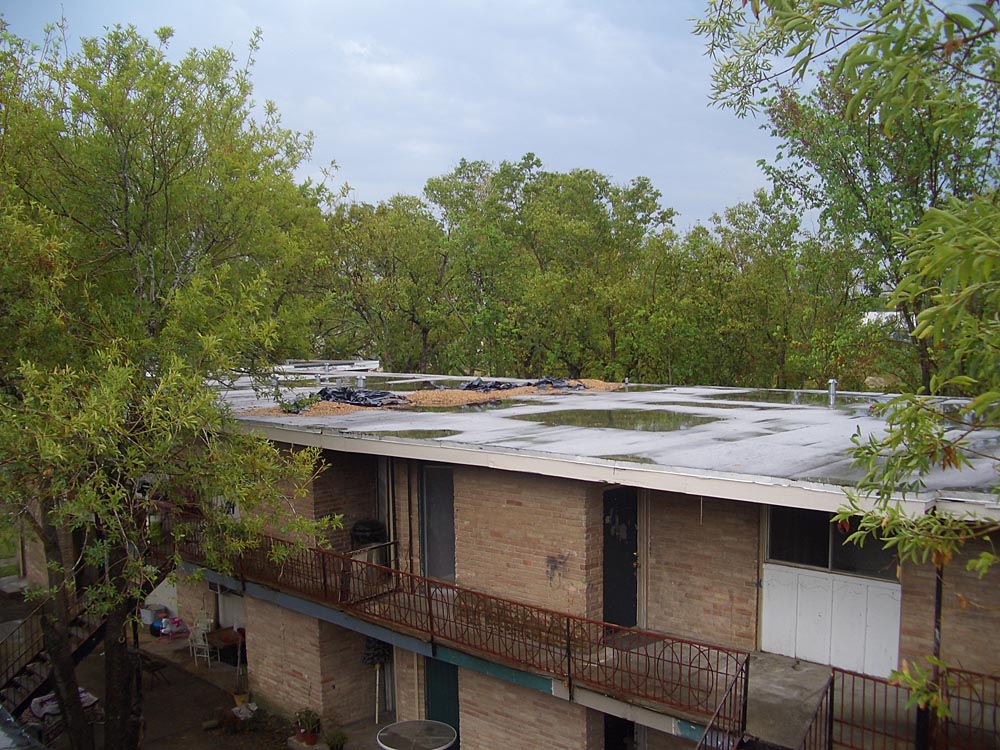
point(397, 92)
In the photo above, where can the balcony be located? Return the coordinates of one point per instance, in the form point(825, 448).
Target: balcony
point(685, 679)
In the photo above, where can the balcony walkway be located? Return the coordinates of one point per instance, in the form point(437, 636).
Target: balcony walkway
point(683, 679)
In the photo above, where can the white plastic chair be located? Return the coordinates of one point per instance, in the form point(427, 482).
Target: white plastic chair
point(200, 648)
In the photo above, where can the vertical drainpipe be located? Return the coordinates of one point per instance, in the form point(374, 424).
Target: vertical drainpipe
point(832, 382)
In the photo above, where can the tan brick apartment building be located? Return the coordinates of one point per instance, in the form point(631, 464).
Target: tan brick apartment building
point(590, 570)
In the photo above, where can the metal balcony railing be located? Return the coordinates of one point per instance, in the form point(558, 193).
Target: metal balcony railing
point(726, 727)
point(819, 735)
point(861, 712)
point(695, 679)
point(974, 704)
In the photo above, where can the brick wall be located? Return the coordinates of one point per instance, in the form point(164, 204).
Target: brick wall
point(345, 486)
point(193, 598)
point(283, 658)
point(408, 515)
point(968, 632)
point(409, 685)
point(295, 661)
point(349, 684)
point(702, 569)
point(496, 714)
point(530, 538)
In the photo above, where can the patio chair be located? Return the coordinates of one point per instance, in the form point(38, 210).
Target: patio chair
point(200, 647)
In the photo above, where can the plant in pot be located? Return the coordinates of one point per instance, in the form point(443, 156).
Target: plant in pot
point(335, 739)
point(307, 721)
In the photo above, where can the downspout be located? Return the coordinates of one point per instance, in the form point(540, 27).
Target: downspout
point(409, 509)
point(391, 489)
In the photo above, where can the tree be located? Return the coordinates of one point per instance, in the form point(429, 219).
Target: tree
point(397, 276)
point(897, 61)
point(150, 227)
point(870, 184)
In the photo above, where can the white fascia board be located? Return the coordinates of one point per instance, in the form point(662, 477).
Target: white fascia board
point(978, 509)
point(743, 488)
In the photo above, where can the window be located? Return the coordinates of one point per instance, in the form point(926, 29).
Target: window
point(806, 537)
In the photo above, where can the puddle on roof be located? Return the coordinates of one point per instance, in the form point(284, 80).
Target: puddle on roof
point(641, 387)
point(420, 434)
point(470, 408)
point(796, 398)
point(644, 420)
point(629, 459)
point(697, 405)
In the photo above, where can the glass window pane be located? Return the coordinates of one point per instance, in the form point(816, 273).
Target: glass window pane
point(799, 536)
point(870, 560)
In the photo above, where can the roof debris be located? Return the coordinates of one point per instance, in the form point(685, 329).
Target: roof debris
point(485, 386)
point(361, 396)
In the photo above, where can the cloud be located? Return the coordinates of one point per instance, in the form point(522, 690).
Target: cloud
point(397, 92)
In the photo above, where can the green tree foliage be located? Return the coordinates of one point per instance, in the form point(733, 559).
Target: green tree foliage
point(514, 270)
point(151, 232)
point(395, 272)
point(754, 300)
point(928, 75)
point(870, 184)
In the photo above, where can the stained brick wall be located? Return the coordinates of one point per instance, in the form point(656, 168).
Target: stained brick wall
point(496, 714)
point(968, 631)
point(349, 684)
point(346, 486)
point(702, 569)
point(295, 661)
point(409, 684)
point(530, 538)
point(283, 658)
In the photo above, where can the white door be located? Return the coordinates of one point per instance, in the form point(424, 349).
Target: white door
point(846, 621)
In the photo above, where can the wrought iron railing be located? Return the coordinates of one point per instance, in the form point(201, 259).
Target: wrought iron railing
point(21, 646)
point(726, 727)
point(868, 712)
point(819, 735)
point(973, 702)
point(690, 677)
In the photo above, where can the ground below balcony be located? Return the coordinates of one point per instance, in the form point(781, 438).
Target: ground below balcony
point(181, 694)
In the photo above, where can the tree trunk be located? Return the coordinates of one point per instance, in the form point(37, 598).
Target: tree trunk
point(56, 619)
point(122, 707)
point(122, 673)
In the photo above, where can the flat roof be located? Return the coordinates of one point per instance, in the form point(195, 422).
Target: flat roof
point(765, 446)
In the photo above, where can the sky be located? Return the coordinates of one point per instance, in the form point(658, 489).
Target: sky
point(398, 92)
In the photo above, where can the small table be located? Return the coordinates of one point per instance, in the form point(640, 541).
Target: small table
point(224, 638)
point(422, 734)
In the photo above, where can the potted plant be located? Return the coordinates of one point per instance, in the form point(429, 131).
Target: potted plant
point(335, 739)
point(307, 721)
